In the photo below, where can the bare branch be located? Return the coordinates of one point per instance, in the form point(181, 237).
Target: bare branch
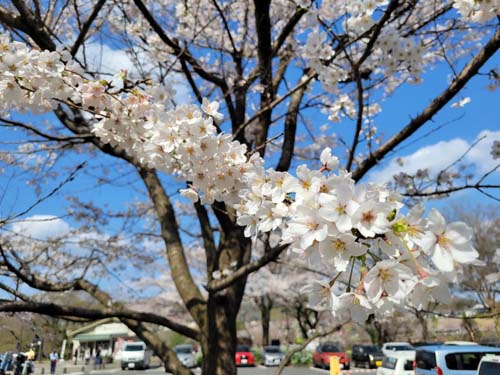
point(181, 274)
point(70, 178)
point(53, 309)
point(268, 257)
point(469, 71)
point(289, 355)
point(291, 127)
point(86, 27)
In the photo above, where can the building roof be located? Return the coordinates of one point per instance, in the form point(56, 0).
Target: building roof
point(102, 330)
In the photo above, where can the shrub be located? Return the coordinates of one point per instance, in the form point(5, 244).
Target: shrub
point(257, 354)
point(302, 358)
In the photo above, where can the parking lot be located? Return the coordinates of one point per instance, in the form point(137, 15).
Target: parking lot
point(258, 370)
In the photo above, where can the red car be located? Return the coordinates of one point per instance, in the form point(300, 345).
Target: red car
point(243, 356)
point(322, 354)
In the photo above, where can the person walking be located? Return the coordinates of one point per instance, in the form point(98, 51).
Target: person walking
point(98, 359)
point(54, 357)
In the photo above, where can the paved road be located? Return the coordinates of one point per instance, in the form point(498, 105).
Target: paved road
point(258, 370)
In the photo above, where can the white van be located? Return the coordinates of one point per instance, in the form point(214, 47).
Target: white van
point(451, 359)
point(135, 355)
point(398, 363)
point(489, 365)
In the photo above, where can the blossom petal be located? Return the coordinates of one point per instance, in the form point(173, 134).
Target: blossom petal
point(437, 224)
point(442, 259)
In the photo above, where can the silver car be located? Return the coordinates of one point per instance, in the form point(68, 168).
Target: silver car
point(186, 355)
point(272, 356)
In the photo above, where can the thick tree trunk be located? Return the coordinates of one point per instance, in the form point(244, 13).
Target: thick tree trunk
point(469, 326)
point(375, 330)
point(219, 338)
point(219, 344)
point(266, 305)
point(302, 324)
point(423, 323)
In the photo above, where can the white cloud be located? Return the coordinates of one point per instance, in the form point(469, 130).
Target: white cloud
point(41, 227)
point(101, 57)
point(440, 155)
point(481, 154)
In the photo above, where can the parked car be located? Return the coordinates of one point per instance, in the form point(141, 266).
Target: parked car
point(272, 355)
point(398, 363)
point(489, 365)
point(450, 359)
point(243, 356)
point(186, 355)
point(426, 343)
point(389, 347)
point(323, 352)
point(368, 356)
point(491, 343)
point(135, 355)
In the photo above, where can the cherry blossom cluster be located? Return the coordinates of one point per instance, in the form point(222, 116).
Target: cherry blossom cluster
point(327, 220)
point(181, 141)
point(322, 215)
point(478, 11)
point(34, 80)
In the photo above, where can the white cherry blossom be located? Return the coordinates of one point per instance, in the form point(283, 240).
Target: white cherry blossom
point(448, 243)
point(386, 277)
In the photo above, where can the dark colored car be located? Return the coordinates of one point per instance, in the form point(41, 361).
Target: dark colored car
point(243, 356)
point(322, 354)
point(368, 356)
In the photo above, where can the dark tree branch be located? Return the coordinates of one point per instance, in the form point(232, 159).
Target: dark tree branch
point(265, 56)
point(86, 27)
point(189, 292)
point(451, 190)
point(208, 238)
point(53, 309)
point(376, 31)
point(49, 137)
point(167, 355)
point(291, 127)
point(289, 355)
point(469, 71)
point(269, 256)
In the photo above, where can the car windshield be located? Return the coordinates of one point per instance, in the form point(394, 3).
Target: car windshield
point(330, 349)
point(272, 349)
point(464, 361)
point(133, 348)
point(372, 349)
point(242, 348)
point(183, 350)
point(398, 348)
point(489, 368)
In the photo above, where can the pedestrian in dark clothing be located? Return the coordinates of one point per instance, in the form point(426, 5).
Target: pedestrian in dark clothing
point(98, 359)
point(54, 357)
